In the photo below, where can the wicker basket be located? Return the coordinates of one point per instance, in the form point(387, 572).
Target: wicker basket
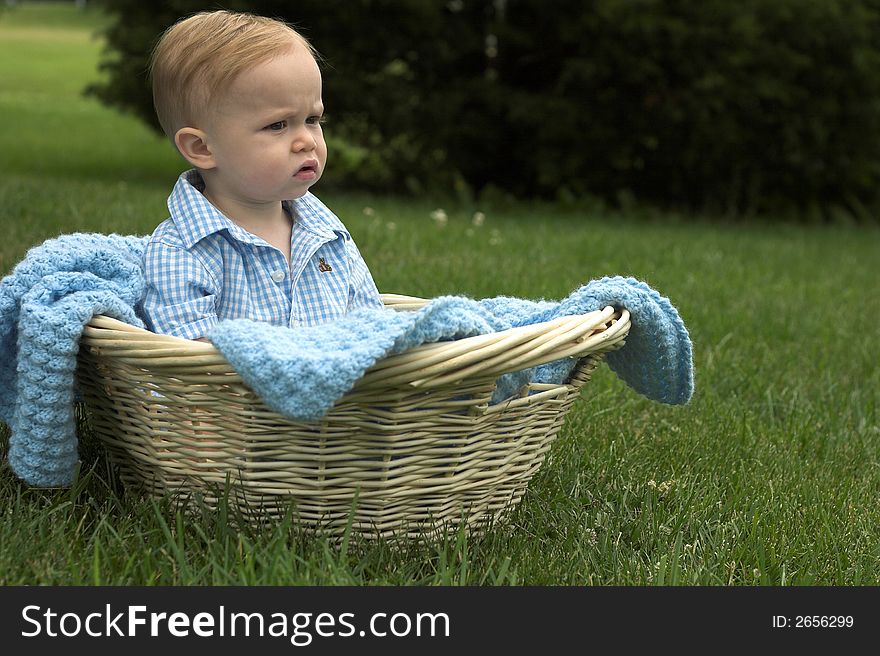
point(415, 447)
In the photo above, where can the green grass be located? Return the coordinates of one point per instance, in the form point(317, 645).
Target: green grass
point(48, 53)
point(769, 476)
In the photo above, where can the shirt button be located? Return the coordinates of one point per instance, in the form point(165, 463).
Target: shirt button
point(278, 275)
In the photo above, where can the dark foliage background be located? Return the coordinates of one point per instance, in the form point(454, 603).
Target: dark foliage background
point(742, 107)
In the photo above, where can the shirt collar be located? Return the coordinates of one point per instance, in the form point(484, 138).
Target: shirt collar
point(310, 213)
point(196, 218)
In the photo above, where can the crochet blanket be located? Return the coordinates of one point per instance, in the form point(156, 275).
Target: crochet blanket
point(302, 372)
point(44, 304)
point(60, 285)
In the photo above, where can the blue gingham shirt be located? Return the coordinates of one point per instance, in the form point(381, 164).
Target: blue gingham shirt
point(201, 268)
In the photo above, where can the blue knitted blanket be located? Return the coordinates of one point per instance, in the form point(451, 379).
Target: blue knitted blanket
point(44, 304)
point(302, 372)
point(49, 297)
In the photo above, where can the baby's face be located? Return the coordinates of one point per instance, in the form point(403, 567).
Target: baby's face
point(265, 132)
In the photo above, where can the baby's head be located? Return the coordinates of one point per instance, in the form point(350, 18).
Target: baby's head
point(240, 97)
point(198, 57)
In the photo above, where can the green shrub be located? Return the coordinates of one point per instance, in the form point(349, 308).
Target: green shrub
point(752, 106)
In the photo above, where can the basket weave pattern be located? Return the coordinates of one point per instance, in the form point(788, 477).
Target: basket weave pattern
point(414, 448)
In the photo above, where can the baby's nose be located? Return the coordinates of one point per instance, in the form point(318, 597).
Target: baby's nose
point(304, 141)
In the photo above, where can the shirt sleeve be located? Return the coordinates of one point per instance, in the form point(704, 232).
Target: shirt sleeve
point(181, 294)
point(363, 291)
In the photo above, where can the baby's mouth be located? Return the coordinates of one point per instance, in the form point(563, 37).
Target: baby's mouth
point(307, 171)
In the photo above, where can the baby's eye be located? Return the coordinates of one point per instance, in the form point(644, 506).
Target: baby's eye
point(315, 120)
point(277, 126)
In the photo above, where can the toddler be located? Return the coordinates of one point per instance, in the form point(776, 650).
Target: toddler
point(240, 97)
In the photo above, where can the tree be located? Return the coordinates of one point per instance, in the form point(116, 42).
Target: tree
point(747, 106)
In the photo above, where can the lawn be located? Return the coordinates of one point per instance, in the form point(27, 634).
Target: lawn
point(769, 476)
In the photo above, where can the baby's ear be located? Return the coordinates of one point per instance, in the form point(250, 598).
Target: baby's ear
point(193, 145)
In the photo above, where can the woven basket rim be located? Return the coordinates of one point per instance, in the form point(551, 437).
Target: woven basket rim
point(426, 366)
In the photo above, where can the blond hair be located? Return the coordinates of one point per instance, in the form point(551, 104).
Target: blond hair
point(199, 56)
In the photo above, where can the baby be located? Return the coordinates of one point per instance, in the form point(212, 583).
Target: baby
point(240, 97)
